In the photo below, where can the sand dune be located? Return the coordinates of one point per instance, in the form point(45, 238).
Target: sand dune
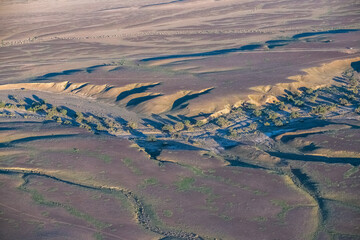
point(314, 78)
point(136, 97)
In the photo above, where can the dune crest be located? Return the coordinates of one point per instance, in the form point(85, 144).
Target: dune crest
point(133, 95)
point(315, 77)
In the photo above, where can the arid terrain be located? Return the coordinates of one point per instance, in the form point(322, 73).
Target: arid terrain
point(180, 120)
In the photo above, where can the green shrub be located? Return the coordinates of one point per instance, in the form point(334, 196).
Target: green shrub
point(63, 112)
point(187, 123)
point(79, 117)
point(343, 101)
point(282, 106)
point(200, 123)
point(294, 114)
point(222, 122)
point(298, 103)
point(309, 91)
point(151, 138)
point(132, 125)
point(322, 109)
point(168, 128)
point(250, 106)
point(314, 98)
point(290, 98)
point(67, 122)
point(179, 126)
point(357, 110)
point(253, 126)
point(233, 132)
point(278, 122)
point(257, 112)
point(272, 115)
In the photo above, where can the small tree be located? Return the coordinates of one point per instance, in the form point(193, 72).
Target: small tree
point(278, 122)
point(63, 112)
point(257, 112)
point(151, 138)
point(253, 126)
point(309, 91)
point(272, 115)
point(222, 122)
point(79, 117)
point(294, 114)
point(233, 132)
point(187, 123)
point(298, 103)
point(282, 106)
point(179, 126)
point(132, 125)
point(200, 123)
point(343, 101)
point(314, 98)
point(168, 128)
point(357, 110)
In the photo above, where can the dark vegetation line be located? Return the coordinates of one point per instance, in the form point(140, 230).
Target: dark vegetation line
point(142, 216)
point(304, 182)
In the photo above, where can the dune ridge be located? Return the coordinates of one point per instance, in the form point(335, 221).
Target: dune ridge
point(123, 96)
point(136, 97)
point(315, 77)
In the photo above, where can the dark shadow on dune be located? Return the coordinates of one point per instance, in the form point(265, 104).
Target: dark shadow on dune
point(12, 98)
point(56, 74)
point(303, 125)
point(137, 133)
point(71, 113)
point(356, 66)
point(173, 118)
point(201, 115)
point(186, 98)
point(17, 123)
point(29, 139)
point(163, 3)
point(80, 87)
point(183, 118)
point(278, 43)
point(120, 120)
point(37, 98)
point(141, 89)
point(161, 119)
point(154, 124)
point(132, 131)
point(29, 101)
point(309, 148)
point(7, 128)
point(136, 101)
point(93, 68)
point(226, 143)
point(236, 163)
point(310, 34)
point(340, 80)
point(288, 138)
point(154, 149)
point(313, 158)
point(311, 187)
point(249, 47)
point(271, 44)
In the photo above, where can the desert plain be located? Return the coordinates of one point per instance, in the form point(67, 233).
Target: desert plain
point(180, 119)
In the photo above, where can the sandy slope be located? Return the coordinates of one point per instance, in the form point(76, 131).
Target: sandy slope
point(189, 46)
